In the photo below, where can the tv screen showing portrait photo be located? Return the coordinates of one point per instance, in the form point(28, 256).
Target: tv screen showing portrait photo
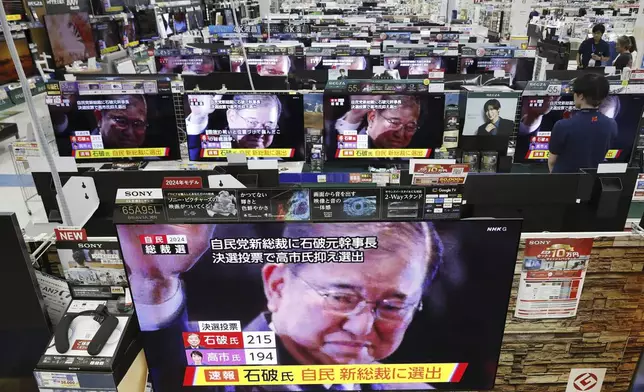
point(114, 126)
point(383, 126)
point(257, 125)
point(490, 115)
point(8, 71)
point(71, 37)
point(539, 114)
point(425, 303)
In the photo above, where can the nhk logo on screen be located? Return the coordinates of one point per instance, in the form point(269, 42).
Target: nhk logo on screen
point(585, 380)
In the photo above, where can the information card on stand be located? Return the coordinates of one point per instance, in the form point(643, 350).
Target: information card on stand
point(552, 277)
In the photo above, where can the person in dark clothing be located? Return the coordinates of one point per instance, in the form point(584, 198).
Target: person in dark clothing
point(593, 50)
point(623, 58)
point(582, 141)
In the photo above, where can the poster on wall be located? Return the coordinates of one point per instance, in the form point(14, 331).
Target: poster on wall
point(552, 277)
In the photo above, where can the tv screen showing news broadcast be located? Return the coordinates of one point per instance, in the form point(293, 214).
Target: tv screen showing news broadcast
point(191, 64)
point(353, 63)
point(419, 66)
point(257, 125)
point(415, 306)
point(539, 114)
point(114, 120)
point(266, 64)
point(478, 65)
point(383, 126)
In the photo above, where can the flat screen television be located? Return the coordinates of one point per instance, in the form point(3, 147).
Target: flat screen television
point(7, 69)
point(16, 9)
point(257, 125)
point(425, 303)
point(191, 64)
point(146, 24)
point(354, 63)
point(267, 64)
point(107, 36)
point(416, 66)
point(539, 114)
point(114, 120)
point(480, 65)
point(129, 34)
point(392, 126)
point(179, 22)
point(71, 37)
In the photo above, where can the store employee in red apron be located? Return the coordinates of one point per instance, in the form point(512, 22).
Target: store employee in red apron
point(593, 51)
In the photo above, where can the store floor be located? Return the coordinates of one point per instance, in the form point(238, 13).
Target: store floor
point(11, 195)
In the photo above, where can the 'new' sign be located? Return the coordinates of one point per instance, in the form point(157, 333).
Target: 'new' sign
point(64, 234)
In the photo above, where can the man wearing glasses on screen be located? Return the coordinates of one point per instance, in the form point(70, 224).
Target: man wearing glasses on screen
point(386, 128)
point(322, 314)
point(123, 127)
point(263, 117)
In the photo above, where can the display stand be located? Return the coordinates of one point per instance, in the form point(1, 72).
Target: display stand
point(26, 323)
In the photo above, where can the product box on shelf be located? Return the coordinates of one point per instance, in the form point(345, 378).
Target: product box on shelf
point(120, 359)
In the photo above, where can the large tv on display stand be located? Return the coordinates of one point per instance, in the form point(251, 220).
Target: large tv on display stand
point(441, 291)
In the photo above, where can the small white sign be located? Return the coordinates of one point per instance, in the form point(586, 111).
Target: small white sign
point(585, 380)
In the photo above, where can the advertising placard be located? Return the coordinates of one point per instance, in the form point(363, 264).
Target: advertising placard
point(552, 277)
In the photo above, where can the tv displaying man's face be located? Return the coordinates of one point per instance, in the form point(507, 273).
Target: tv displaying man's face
point(124, 128)
point(274, 66)
point(394, 128)
point(355, 314)
point(264, 116)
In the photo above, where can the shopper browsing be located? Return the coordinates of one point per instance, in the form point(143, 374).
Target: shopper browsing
point(582, 141)
point(593, 50)
point(633, 51)
point(624, 58)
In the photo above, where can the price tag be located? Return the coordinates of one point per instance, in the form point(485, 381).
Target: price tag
point(553, 89)
point(436, 87)
point(259, 339)
point(439, 74)
point(57, 380)
point(255, 356)
point(176, 87)
point(637, 75)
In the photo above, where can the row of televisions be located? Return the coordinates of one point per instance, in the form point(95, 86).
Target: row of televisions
point(520, 69)
point(119, 120)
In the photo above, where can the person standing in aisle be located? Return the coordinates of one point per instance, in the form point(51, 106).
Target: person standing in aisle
point(623, 58)
point(593, 51)
point(634, 52)
point(581, 142)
